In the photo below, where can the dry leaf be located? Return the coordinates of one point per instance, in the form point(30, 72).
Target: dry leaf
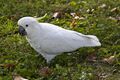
point(92, 57)
point(81, 18)
point(116, 19)
point(18, 77)
point(45, 71)
point(7, 65)
point(73, 14)
point(57, 15)
point(90, 11)
point(76, 16)
point(102, 6)
point(114, 10)
point(73, 23)
point(112, 18)
point(109, 60)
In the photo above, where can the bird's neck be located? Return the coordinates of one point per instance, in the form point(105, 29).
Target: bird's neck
point(34, 32)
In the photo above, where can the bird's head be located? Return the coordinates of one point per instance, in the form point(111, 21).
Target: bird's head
point(26, 23)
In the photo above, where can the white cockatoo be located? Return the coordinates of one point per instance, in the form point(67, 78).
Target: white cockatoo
point(50, 40)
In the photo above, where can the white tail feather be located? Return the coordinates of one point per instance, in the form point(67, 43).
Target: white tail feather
point(94, 40)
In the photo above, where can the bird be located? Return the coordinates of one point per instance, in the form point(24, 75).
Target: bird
point(50, 40)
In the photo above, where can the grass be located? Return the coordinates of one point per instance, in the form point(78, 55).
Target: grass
point(101, 18)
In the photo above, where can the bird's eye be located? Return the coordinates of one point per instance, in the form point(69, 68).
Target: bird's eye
point(26, 25)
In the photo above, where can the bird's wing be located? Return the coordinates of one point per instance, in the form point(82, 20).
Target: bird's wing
point(63, 40)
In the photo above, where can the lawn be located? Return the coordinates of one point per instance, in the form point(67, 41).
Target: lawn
point(96, 17)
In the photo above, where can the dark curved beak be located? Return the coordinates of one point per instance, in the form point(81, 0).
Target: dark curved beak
point(22, 31)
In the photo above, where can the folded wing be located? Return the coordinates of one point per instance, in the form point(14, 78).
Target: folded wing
point(66, 41)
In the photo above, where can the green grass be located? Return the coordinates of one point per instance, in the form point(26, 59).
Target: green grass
point(17, 57)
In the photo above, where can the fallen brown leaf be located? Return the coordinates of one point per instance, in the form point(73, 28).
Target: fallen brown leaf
point(57, 15)
point(102, 6)
point(92, 57)
point(118, 18)
point(114, 9)
point(7, 65)
point(18, 77)
point(76, 16)
point(46, 71)
point(109, 60)
point(73, 23)
point(113, 18)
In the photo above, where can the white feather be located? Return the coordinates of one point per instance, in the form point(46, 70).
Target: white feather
point(51, 40)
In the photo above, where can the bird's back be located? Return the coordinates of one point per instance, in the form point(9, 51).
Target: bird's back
point(58, 40)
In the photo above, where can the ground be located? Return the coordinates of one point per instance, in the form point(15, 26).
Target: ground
point(96, 17)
